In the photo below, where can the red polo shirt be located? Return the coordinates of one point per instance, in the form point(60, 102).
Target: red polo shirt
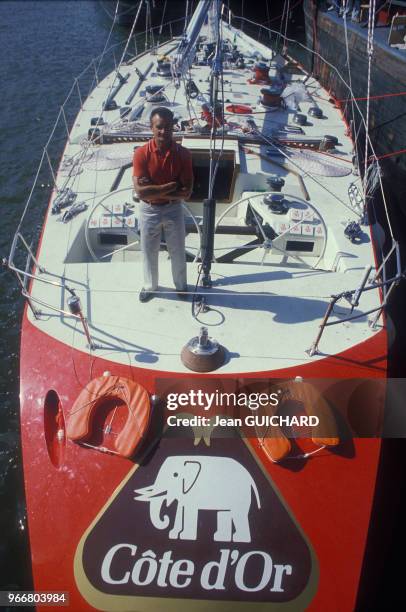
point(160, 167)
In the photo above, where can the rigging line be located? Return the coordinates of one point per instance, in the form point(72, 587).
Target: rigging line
point(349, 76)
point(286, 26)
point(151, 29)
point(370, 51)
point(189, 103)
point(376, 97)
point(362, 119)
point(213, 102)
point(281, 16)
point(146, 26)
point(108, 37)
point(278, 38)
point(222, 110)
point(162, 20)
point(91, 357)
point(196, 293)
point(268, 13)
point(400, 152)
point(87, 144)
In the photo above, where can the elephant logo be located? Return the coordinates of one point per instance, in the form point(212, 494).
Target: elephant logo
point(200, 483)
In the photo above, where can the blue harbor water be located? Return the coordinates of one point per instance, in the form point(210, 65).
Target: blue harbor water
point(44, 45)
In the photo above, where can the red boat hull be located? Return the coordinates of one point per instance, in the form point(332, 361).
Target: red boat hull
point(330, 498)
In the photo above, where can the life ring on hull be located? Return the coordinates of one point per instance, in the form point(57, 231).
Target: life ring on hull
point(95, 395)
point(324, 435)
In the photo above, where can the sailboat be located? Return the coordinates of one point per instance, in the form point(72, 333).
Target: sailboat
point(219, 452)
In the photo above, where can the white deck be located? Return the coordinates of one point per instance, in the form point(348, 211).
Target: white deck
point(265, 315)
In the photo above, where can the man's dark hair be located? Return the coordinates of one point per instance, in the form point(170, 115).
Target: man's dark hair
point(163, 112)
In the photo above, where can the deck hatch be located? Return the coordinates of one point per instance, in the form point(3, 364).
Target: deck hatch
point(298, 245)
point(225, 177)
point(113, 239)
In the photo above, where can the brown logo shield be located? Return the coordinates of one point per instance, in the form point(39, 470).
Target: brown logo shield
point(196, 526)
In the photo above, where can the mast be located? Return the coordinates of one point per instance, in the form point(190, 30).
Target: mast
point(186, 49)
point(209, 205)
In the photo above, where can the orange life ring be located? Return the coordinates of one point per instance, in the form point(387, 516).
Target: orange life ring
point(239, 109)
point(103, 389)
point(325, 434)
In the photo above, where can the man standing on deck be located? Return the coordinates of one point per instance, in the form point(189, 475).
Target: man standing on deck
point(163, 178)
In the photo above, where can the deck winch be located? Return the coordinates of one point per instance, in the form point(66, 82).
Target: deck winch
point(164, 68)
point(276, 203)
point(261, 74)
point(65, 197)
point(271, 96)
point(276, 183)
point(207, 114)
point(203, 353)
point(191, 89)
point(353, 232)
point(154, 93)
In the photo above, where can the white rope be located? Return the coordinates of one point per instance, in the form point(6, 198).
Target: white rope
point(109, 35)
point(370, 51)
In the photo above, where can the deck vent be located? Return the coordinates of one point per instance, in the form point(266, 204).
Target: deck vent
point(300, 119)
point(202, 353)
point(315, 111)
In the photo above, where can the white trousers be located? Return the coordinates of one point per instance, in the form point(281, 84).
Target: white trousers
point(153, 219)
